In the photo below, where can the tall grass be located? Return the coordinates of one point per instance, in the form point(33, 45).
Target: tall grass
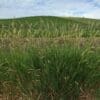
point(51, 73)
point(50, 27)
point(50, 59)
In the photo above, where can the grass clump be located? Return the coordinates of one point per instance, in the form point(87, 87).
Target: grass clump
point(55, 72)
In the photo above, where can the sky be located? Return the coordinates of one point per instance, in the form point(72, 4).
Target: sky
point(73, 8)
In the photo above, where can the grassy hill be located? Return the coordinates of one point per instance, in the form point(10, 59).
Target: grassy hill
point(49, 58)
point(42, 26)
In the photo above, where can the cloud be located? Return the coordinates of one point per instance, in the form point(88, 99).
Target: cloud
point(16, 3)
point(93, 14)
point(18, 8)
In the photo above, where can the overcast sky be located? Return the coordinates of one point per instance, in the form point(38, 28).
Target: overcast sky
point(21, 8)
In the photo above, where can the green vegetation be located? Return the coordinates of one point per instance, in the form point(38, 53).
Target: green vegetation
point(50, 27)
point(49, 58)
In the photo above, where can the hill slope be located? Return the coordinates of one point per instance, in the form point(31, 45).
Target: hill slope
point(49, 26)
point(45, 68)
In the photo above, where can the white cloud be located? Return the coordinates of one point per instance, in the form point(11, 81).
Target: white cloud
point(87, 8)
point(97, 1)
point(16, 3)
point(93, 14)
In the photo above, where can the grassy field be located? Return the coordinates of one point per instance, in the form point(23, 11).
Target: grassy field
point(50, 27)
point(49, 58)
